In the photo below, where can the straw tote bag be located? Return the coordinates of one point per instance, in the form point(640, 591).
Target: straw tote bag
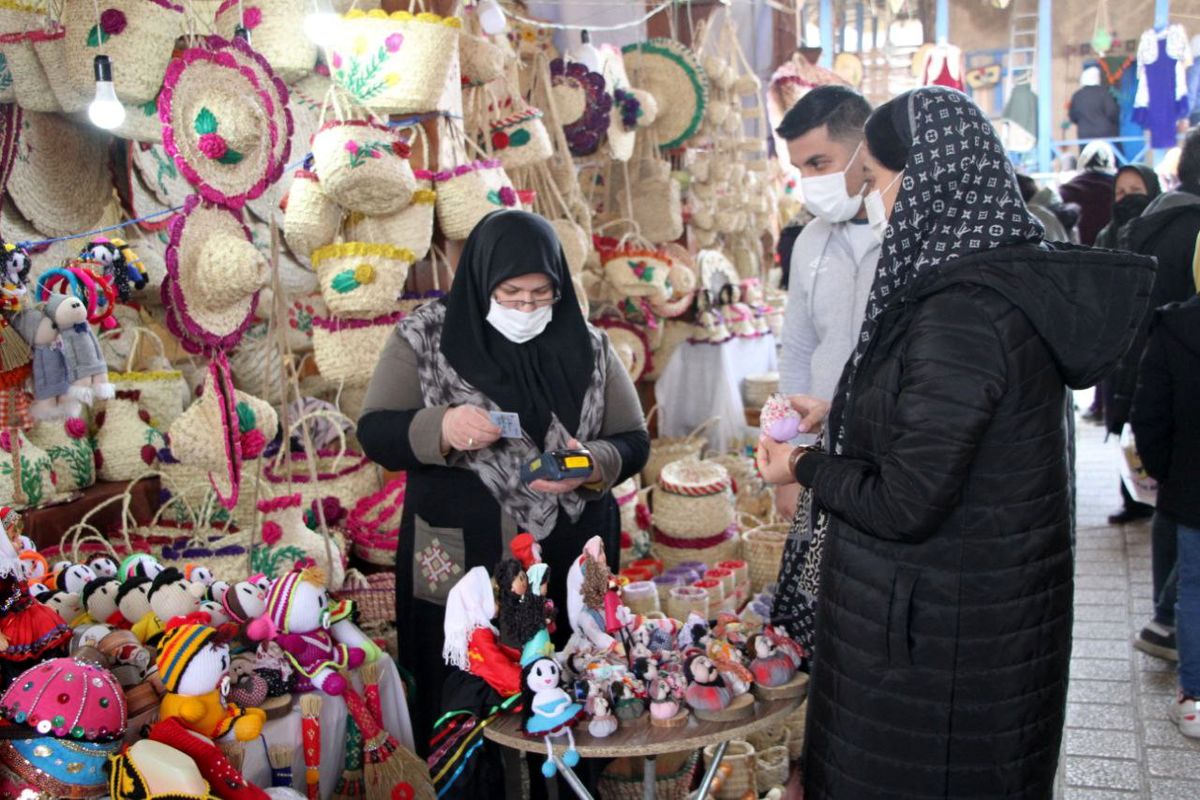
point(348, 349)
point(341, 473)
point(310, 217)
point(410, 228)
point(362, 163)
point(143, 29)
point(69, 447)
point(470, 191)
point(162, 390)
point(126, 443)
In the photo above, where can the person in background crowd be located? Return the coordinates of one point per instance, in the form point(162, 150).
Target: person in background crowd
point(1058, 218)
point(1092, 189)
point(833, 258)
point(787, 244)
point(1094, 109)
point(1166, 426)
point(1135, 187)
point(942, 491)
point(509, 338)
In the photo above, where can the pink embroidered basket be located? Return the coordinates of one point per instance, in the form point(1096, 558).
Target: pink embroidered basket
point(468, 193)
point(363, 166)
point(374, 524)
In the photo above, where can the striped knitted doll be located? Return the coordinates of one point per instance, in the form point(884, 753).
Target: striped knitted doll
point(194, 668)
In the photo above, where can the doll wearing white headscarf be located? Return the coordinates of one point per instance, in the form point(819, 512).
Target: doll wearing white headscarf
point(471, 642)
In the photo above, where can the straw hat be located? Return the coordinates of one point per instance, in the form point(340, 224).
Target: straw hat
point(206, 436)
point(669, 71)
point(630, 345)
point(225, 121)
point(214, 274)
point(275, 31)
point(60, 176)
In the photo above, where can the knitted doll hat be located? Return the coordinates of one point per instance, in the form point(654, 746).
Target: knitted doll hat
point(279, 602)
point(179, 646)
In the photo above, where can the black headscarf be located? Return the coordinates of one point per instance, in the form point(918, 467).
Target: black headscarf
point(1132, 205)
point(551, 372)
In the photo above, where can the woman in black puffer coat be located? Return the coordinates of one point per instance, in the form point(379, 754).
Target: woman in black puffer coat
point(944, 623)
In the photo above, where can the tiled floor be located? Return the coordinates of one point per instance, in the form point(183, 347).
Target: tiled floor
point(1119, 743)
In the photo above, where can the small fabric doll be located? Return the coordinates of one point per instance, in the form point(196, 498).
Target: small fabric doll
point(29, 631)
point(198, 573)
point(52, 397)
point(299, 620)
point(75, 577)
point(103, 566)
point(118, 264)
point(67, 605)
point(603, 722)
point(133, 601)
point(779, 420)
point(470, 640)
point(194, 668)
point(769, 666)
point(526, 550)
point(521, 614)
point(139, 564)
point(664, 699)
point(100, 599)
point(15, 267)
point(539, 584)
point(728, 660)
point(173, 599)
point(548, 711)
point(785, 644)
point(87, 369)
point(587, 589)
point(706, 690)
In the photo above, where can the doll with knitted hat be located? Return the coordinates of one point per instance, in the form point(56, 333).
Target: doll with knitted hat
point(193, 666)
point(298, 618)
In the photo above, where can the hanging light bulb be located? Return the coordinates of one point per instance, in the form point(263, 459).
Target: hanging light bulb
point(491, 17)
point(320, 23)
point(586, 53)
point(106, 110)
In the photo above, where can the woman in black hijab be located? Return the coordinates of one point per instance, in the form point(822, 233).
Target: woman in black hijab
point(509, 338)
point(942, 502)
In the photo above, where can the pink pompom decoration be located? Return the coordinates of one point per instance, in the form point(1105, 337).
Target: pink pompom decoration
point(75, 427)
point(271, 532)
point(253, 443)
point(5, 442)
point(252, 18)
point(508, 196)
point(112, 21)
point(213, 146)
point(779, 420)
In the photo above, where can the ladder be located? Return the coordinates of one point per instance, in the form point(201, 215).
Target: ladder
point(1022, 45)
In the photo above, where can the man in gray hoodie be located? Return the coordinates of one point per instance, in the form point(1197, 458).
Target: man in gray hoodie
point(834, 257)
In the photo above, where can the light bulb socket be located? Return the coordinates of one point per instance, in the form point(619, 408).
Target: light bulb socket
point(102, 68)
point(243, 33)
point(585, 37)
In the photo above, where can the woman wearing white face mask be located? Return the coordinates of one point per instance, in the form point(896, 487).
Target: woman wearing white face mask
point(940, 497)
point(509, 338)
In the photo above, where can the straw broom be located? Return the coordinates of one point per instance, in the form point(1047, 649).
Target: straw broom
point(350, 784)
point(235, 753)
point(310, 726)
point(386, 763)
point(280, 757)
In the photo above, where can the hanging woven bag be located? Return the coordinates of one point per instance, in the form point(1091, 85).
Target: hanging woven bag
point(410, 228)
point(348, 349)
point(310, 216)
point(36, 468)
point(137, 35)
point(360, 278)
point(362, 164)
point(126, 443)
point(31, 84)
point(275, 30)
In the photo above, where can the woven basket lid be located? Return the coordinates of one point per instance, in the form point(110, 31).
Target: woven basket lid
point(669, 71)
point(225, 121)
point(693, 478)
point(60, 176)
point(205, 435)
point(214, 275)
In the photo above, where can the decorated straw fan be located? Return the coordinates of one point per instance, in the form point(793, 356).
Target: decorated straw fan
point(584, 105)
point(214, 275)
point(225, 121)
point(60, 177)
point(668, 70)
point(206, 434)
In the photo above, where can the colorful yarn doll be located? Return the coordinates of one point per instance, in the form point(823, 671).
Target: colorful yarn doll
point(103, 566)
point(133, 601)
point(539, 586)
point(29, 631)
point(785, 644)
point(587, 592)
point(299, 620)
point(194, 669)
point(15, 266)
point(173, 599)
point(470, 641)
point(780, 420)
point(118, 264)
point(139, 564)
point(664, 699)
point(66, 605)
point(706, 690)
point(769, 666)
point(100, 600)
point(548, 711)
point(75, 577)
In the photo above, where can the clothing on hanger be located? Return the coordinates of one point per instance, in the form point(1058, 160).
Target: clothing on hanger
point(1162, 93)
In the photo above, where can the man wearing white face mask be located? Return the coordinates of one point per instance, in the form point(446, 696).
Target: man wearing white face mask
point(833, 260)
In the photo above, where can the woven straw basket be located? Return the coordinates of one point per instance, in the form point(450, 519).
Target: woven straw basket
point(675, 786)
point(36, 470)
point(762, 548)
point(772, 766)
point(638, 272)
point(728, 548)
point(374, 595)
point(741, 781)
point(521, 140)
point(126, 443)
point(347, 349)
point(161, 391)
point(275, 31)
point(693, 499)
point(312, 218)
point(757, 388)
point(470, 192)
point(410, 228)
point(341, 473)
point(665, 449)
point(361, 277)
point(480, 61)
point(766, 738)
point(374, 524)
point(363, 166)
point(31, 85)
point(67, 445)
point(148, 28)
point(395, 63)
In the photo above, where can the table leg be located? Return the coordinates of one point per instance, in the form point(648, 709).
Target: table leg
point(649, 777)
point(711, 772)
point(573, 780)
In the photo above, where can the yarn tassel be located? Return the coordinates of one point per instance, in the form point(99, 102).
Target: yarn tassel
point(370, 677)
point(281, 756)
point(386, 763)
point(310, 725)
point(350, 784)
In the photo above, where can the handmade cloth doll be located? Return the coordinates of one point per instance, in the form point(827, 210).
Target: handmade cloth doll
point(173, 599)
point(118, 264)
point(139, 564)
point(526, 550)
point(706, 690)
point(769, 666)
point(603, 722)
point(779, 637)
point(299, 620)
point(75, 577)
point(100, 600)
point(194, 669)
point(14, 273)
point(87, 369)
point(548, 711)
point(728, 660)
point(198, 573)
point(664, 699)
point(51, 385)
point(29, 631)
point(103, 566)
point(587, 590)
point(539, 586)
point(521, 614)
point(471, 641)
point(244, 601)
point(133, 601)
point(67, 605)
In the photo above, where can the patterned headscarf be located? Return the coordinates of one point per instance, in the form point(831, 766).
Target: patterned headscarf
point(958, 196)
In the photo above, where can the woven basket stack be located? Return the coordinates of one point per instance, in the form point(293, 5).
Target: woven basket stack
point(694, 514)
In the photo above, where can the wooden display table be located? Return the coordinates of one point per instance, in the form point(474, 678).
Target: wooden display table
point(641, 739)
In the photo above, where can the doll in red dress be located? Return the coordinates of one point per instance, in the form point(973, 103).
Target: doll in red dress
point(471, 642)
point(29, 631)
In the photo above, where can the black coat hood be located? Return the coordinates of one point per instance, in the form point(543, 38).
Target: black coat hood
point(1165, 209)
point(1085, 304)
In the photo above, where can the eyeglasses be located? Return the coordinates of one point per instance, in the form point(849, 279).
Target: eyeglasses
point(539, 298)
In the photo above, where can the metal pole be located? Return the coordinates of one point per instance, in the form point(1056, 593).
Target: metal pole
point(942, 21)
point(718, 754)
point(649, 778)
point(1045, 83)
point(825, 24)
point(860, 25)
point(1162, 13)
point(573, 780)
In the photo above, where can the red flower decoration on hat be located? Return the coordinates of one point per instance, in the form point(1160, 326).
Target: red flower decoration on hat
point(112, 21)
point(252, 18)
point(271, 532)
point(75, 427)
